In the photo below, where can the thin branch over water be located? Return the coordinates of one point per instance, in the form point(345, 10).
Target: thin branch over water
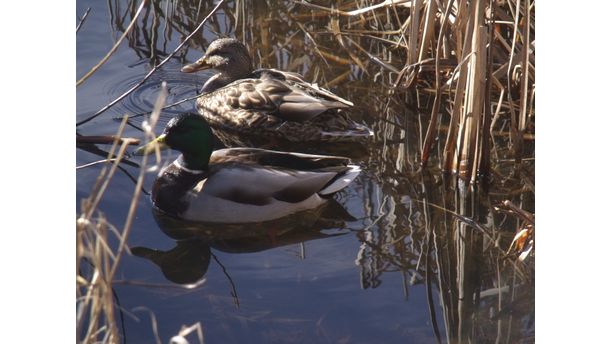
point(108, 106)
point(82, 20)
point(115, 46)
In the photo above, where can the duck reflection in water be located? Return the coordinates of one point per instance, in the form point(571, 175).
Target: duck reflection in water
point(188, 261)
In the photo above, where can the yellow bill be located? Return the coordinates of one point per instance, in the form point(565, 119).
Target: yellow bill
point(159, 142)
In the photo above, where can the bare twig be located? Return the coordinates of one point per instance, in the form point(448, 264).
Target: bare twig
point(438, 98)
point(95, 163)
point(358, 11)
point(165, 107)
point(82, 20)
point(509, 206)
point(180, 46)
point(114, 48)
point(109, 139)
point(132, 210)
point(234, 293)
point(153, 321)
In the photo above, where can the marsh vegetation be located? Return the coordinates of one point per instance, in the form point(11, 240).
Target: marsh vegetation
point(438, 243)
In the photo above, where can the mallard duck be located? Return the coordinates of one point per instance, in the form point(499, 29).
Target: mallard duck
point(268, 101)
point(239, 185)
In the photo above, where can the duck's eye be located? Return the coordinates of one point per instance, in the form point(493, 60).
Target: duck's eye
point(221, 53)
point(214, 52)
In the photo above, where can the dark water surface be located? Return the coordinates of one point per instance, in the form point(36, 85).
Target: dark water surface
point(307, 279)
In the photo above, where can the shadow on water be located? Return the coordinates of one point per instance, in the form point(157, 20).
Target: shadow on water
point(432, 230)
point(188, 261)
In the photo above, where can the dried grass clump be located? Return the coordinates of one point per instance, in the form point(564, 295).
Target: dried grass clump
point(97, 260)
point(474, 63)
point(476, 58)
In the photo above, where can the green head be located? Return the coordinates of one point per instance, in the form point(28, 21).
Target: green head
point(189, 134)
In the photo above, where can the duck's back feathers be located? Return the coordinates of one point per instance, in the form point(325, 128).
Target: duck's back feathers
point(249, 185)
point(238, 193)
point(341, 181)
point(276, 159)
point(281, 104)
point(277, 97)
point(297, 80)
point(270, 102)
point(261, 185)
point(264, 175)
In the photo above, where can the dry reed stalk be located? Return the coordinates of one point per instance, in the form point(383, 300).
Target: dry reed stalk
point(522, 124)
point(433, 124)
point(150, 135)
point(115, 46)
point(316, 47)
point(186, 330)
point(484, 160)
point(95, 298)
point(413, 36)
point(386, 3)
point(470, 56)
point(82, 20)
point(92, 247)
point(492, 44)
point(480, 90)
point(91, 203)
point(96, 139)
point(470, 105)
point(450, 157)
point(512, 67)
point(427, 40)
point(339, 79)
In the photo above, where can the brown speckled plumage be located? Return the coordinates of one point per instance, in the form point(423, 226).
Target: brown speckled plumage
point(268, 102)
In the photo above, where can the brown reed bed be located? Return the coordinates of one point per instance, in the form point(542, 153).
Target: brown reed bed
point(476, 58)
point(471, 65)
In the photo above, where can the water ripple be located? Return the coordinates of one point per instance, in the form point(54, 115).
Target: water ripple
point(142, 100)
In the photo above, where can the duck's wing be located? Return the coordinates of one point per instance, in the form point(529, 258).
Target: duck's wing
point(261, 185)
point(298, 80)
point(282, 160)
point(278, 97)
point(238, 188)
point(261, 177)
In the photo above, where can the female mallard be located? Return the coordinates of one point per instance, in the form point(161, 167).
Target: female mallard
point(268, 101)
point(238, 185)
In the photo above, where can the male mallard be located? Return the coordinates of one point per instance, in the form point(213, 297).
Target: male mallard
point(268, 101)
point(239, 185)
